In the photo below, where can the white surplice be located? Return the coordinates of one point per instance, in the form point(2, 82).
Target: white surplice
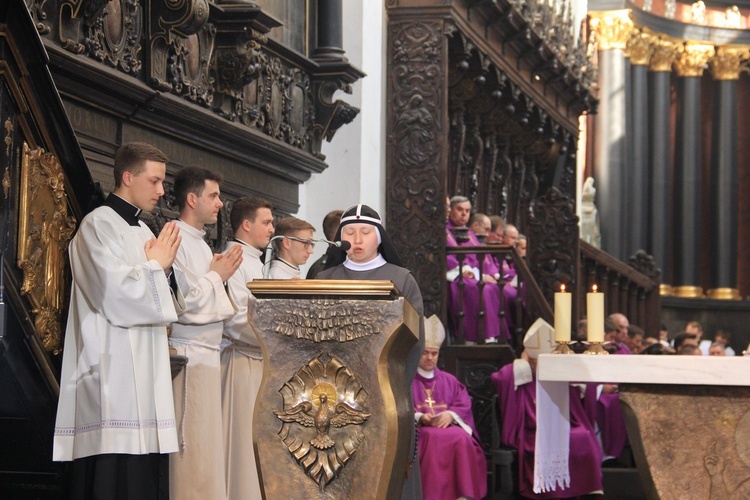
point(241, 374)
point(115, 387)
point(283, 270)
point(197, 471)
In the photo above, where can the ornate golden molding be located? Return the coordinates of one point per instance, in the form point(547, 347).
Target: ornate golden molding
point(664, 54)
point(640, 46)
point(693, 59)
point(45, 228)
point(727, 63)
point(613, 28)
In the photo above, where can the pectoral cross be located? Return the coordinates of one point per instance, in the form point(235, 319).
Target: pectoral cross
point(431, 404)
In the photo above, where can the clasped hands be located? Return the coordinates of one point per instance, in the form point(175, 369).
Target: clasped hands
point(441, 420)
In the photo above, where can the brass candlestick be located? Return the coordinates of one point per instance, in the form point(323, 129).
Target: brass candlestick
point(595, 348)
point(562, 348)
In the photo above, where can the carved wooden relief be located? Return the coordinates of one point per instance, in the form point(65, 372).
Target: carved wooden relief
point(216, 55)
point(45, 228)
point(415, 193)
point(553, 242)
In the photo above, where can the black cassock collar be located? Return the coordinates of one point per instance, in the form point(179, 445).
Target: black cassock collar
point(123, 208)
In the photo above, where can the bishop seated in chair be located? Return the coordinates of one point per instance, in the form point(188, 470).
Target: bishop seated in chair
point(450, 454)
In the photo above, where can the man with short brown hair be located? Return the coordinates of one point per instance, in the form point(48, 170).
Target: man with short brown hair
point(197, 471)
point(293, 251)
point(115, 417)
point(241, 356)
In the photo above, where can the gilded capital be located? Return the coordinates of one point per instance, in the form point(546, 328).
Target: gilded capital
point(640, 47)
point(613, 28)
point(693, 59)
point(727, 63)
point(663, 55)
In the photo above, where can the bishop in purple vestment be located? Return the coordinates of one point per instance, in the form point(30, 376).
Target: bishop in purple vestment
point(516, 389)
point(451, 458)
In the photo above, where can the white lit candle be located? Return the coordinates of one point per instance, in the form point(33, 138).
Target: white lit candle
point(562, 315)
point(595, 315)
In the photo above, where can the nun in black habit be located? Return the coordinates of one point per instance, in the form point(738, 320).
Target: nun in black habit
point(372, 256)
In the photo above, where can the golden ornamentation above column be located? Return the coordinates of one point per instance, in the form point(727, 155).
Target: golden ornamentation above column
point(664, 54)
point(613, 28)
point(640, 47)
point(727, 63)
point(693, 59)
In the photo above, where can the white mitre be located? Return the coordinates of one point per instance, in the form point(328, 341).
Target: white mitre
point(539, 339)
point(434, 332)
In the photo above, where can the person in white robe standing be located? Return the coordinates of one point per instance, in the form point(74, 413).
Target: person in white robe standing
point(115, 417)
point(197, 471)
point(241, 358)
point(291, 252)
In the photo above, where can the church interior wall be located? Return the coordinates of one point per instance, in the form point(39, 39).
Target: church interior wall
point(355, 156)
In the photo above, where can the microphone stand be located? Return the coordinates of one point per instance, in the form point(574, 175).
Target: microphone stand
point(269, 249)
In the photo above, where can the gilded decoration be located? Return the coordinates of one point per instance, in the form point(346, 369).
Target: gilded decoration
point(640, 47)
point(8, 136)
point(693, 59)
point(326, 320)
point(613, 28)
point(323, 415)
point(45, 228)
point(728, 62)
point(664, 54)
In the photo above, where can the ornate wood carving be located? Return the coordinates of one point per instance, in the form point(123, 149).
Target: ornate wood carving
point(415, 194)
point(645, 264)
point(45, 228)
point(214, 54)
point(553, 242)
point(181, 47)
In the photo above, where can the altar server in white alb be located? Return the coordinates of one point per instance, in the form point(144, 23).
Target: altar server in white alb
point(197, 470)
point(241, 358)
point(292, 252)
point(115, 417)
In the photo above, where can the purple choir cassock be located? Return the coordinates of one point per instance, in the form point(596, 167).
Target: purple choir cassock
point(607, 412)
point(493, 325)
point(518, 430)
point(621, 348)
point(451, 461)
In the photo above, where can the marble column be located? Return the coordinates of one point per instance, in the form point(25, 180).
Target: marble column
point(612, 30)
point(725, 68)
point(635, 202)
point(687, 191)
point(660, 158)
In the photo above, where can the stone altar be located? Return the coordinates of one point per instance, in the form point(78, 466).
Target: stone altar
point(688, 418)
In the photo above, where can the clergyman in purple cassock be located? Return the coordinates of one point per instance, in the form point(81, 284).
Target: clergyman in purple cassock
point(606, 410)
point(470, 302)
point(516, 389)
point(451, 457)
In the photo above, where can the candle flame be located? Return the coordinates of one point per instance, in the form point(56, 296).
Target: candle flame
point(593, 288)
point(562, 288)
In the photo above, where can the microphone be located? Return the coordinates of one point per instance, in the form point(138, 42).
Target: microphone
point(343, 245)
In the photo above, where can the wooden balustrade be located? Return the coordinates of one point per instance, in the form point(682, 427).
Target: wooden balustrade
point(626, 289)
point(530, 304)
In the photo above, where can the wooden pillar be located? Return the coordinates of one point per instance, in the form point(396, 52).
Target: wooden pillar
point(417, 142)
